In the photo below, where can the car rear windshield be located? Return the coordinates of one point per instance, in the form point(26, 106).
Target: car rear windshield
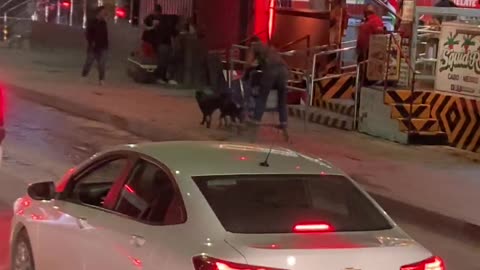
point(254, 204)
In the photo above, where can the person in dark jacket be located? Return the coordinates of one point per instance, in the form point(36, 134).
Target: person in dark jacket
point(150, 24)
point(274, 76)
point(97, 39)
point(163, 32)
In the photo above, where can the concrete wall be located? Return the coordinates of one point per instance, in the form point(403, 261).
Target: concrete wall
point(374, 117)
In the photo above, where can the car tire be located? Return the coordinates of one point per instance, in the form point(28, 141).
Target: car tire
point(22, 256)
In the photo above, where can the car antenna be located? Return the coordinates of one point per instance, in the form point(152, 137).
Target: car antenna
point(265, 162)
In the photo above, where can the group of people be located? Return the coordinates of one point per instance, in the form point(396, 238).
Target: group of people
point(158, 37)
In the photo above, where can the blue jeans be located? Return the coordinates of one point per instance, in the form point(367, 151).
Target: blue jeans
point(100, 56)
point(274, 77)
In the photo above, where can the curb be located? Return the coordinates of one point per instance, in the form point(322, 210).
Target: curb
point(442, 224)
point(139, 127)
point(439, 223)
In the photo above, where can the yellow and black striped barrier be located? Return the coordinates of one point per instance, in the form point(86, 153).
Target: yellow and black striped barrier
point(419, 125)
point(407, 110)
point(403, 97)
point(322, 117)
point(425, 112)
point(459, 117)
point(343, 109)
point(342, 87)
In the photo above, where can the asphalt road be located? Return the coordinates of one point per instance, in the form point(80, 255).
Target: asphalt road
point(43, 143)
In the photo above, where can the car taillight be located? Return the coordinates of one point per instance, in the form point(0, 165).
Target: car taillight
point(208, 263)
point(433, 263)
point(313, 227)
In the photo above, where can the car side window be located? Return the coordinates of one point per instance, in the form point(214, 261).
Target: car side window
point(149, 195)
point(93, 187)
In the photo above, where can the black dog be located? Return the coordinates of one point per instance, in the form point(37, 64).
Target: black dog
point(208, 105)
point(224, 102)
point(230, 110)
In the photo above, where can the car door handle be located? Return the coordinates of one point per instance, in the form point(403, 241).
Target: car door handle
point(137, 241)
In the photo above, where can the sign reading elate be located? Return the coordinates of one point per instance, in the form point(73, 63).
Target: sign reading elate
point(458, 66)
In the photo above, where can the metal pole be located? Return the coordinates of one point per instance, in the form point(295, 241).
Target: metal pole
point(5, 27)
point(231, 67)
point(70, 22)
point(46, 12)
point(115, 17)
point(306, 110)
point(58, 11)
point(357, 92)
point(84, 18)
point(413, 43)
point(387, 71)
point(310, 90)
point(6, 3)
point(131, 12)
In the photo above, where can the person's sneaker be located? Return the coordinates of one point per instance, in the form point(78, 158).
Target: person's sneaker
point(172, 82)
point(161, 81)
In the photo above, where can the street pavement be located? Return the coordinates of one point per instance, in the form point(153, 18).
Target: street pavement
point(42, 143)
point(442, 180)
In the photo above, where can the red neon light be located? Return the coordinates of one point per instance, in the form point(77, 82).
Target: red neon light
point(271, 18)
point(120, 13)
point(129, 189)
point(66, 4)
point(319, 227)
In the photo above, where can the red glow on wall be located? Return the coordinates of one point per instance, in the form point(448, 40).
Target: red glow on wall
point(261, 19)
point(271, 18)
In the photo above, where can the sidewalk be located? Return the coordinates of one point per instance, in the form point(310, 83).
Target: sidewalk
point(439, 179)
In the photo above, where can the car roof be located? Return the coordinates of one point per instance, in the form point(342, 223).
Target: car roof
point(202, 158)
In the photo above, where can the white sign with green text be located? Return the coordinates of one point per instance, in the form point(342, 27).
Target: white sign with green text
point(458, 65)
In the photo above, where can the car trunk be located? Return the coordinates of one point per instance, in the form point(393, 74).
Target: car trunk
point(381, 250)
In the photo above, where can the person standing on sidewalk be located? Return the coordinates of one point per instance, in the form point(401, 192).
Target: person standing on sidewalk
point(274, 76)
point(97, 39)
point(163, 31)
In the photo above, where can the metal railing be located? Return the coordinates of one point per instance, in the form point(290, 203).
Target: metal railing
point(412, 70)
point(6, 20)
point(312, 54)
